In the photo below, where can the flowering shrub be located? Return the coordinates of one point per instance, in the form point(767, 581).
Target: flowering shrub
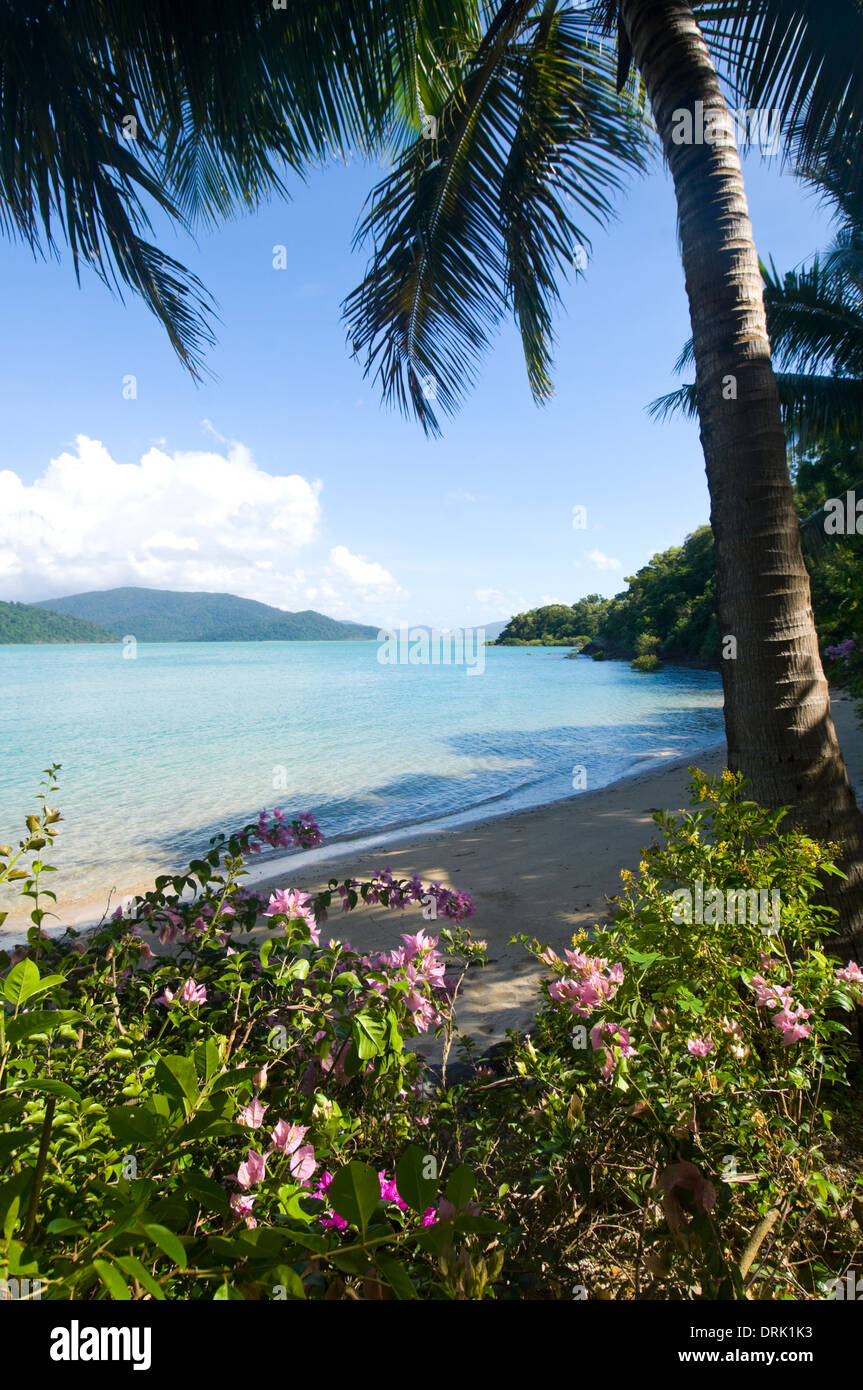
point(710, 1040)
point(202, 1098)
point(186, 1102)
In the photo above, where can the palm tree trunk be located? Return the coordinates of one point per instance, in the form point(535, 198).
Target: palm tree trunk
point(777, 708)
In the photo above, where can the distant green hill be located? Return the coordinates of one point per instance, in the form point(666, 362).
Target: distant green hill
point(25, 622)
point(169, 615)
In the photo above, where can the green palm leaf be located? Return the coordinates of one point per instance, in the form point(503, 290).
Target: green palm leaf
point(481, 220)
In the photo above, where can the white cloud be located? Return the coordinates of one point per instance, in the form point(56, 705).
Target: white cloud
point(604, 562)
point(368, 582)
point(499, 604)
point(194, 520)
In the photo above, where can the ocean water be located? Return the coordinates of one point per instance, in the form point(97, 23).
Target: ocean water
point(160, 752)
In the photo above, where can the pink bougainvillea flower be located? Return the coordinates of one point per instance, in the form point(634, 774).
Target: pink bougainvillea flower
point(768, 995)
point(608, 1037)
point(193, 994)
point(791, 1024)
point(189, 994)
point(851, 975)
point(296, 906)
point(287, 1138)
point(242, 1205)
point(252, 1114)
point(419, 944)
point(251, 1171)
point(685, 1177)
point(699, 1047)
point(302, 1163)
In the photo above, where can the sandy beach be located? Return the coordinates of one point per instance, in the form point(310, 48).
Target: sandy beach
point(545, 872)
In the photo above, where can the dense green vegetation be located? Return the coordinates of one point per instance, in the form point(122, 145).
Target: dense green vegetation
point(22, 622)
point(834, 558)
point(167, 615)
point(672, 600)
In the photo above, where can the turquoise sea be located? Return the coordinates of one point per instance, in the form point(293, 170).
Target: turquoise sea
point(161, 751)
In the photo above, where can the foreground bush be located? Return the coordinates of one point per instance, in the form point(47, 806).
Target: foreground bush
point(201, 1100)
point(680, 1067)
point(194, 1123)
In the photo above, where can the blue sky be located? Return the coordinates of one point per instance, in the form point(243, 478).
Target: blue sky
point(287, 480)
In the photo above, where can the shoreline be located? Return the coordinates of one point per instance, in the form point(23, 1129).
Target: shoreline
point(545, 871)
point(85, 913)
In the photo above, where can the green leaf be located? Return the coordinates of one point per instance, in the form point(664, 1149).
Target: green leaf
point(49, 1086)
point(41, 1021)
point(461, 1186)
point(167, 1241)
point(369, 1035)
point(289, 1280)
point(21, 981)
point(418, 1191)
point(206, 1191)
point(227, 1293)
point(62, 1225)
point(396, 1275)
point(235, 1077)
point(133, 1123)
point(133, 1267)
point(355, 1192)
point(177, 1075)
point(112, 1280)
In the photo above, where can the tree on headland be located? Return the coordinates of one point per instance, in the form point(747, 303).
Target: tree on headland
point(478, 221)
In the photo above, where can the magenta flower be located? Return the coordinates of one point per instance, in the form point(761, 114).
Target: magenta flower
point(330, 1220)
point(389, 1191)
point(699, 1047)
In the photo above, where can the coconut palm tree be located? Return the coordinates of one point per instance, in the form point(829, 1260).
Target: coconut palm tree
point(479, 221)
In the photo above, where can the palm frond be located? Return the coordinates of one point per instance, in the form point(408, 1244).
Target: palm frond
point(798, 57)
point(683, 401)
point(112, 108)
point(481, 220)
point(813, 321)
point(817, 409)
